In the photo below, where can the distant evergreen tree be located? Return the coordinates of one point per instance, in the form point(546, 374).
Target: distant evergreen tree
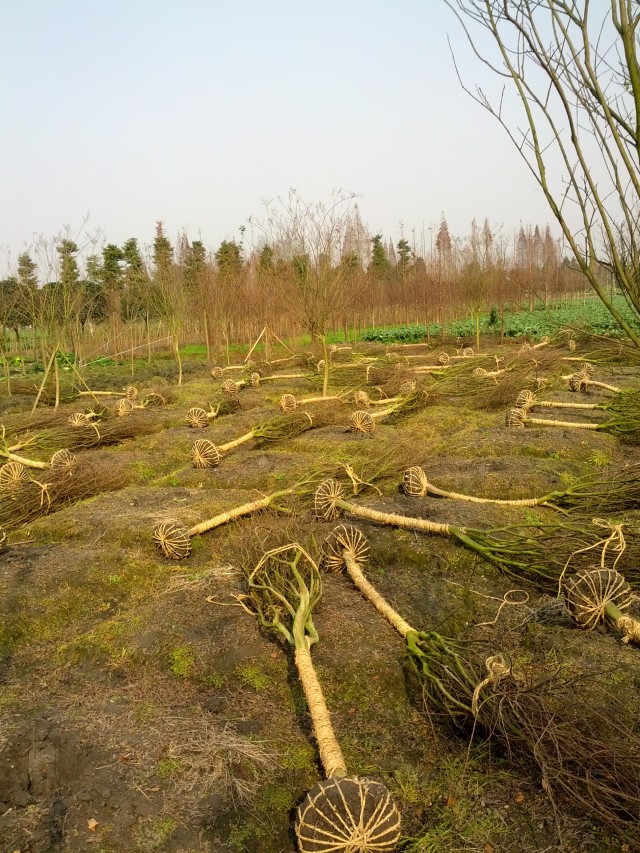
point(379, 266)
point(162, 252)
point(136, 297)
point(195, 264)
point(391, 253)
point(405, 257)
point(229, 259)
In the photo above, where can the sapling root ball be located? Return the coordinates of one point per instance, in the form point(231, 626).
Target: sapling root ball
point(362, 422)
point(515, 419)
point(324, 502)
point(12, 473)
point(197, 418)
point(348, 815)
point(204, 454)
point(173, 540)
point(288, 403)
point(123, 407)
point(589, 591)
point(341, 539)
point(63, 459)
point(229, 387)
point(414, 482)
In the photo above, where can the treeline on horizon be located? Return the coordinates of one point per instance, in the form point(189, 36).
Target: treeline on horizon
point(325, 273)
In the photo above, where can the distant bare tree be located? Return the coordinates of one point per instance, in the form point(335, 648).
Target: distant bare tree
point(310, 237)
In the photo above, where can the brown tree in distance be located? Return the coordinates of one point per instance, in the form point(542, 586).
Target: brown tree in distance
point(309, 237)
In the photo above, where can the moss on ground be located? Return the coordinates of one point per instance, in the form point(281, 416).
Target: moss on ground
point(102, 635)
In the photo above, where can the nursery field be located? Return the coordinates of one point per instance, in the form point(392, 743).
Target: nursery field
point(158, 602)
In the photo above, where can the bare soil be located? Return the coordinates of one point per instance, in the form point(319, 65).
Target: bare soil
point(143, 709)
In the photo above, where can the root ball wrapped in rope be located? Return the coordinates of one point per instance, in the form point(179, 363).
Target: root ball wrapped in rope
point(362, 422)
point(341, 814)
point(593, 596)
point(12, 473)
point(577, 749)
point(204, 454)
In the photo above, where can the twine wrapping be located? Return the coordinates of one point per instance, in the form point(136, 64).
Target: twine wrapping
point(630, 629)
point(330, 753)
point(497, 669)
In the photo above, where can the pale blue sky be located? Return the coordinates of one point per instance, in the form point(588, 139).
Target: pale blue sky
point(194, 111)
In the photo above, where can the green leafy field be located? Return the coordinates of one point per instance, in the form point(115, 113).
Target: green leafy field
point(591, 316)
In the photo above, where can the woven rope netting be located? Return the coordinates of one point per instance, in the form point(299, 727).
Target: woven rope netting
point(349, 815)
point(341, 813)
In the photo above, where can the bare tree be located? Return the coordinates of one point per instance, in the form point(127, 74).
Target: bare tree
point(310, 237)
point(573, 66)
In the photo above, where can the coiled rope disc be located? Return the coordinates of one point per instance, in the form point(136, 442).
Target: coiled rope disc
point(197, 418)
point(63, 460)
point(467, 352)
point(341, 539)
point(255, 380)
point(361, 398)
point(443, 358)
point(288, 403)
point(123, 407)
point(479, 371)
point(12, 473)
point(587, 593)
point(362, 422)
point(348, 815)
point(414, 482)
point(131, 393)
point(515, 418)
point(217, 372)
point(408, 387)
point(174, 541)
point(204, 454)
point(324, 500)
point(229, 387)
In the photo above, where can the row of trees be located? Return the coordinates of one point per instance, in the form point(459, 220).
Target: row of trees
point(311, 266)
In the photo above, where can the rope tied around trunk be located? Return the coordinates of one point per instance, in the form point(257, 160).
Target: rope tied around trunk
point(630, 629)
point(497, 669)
point(615, 541)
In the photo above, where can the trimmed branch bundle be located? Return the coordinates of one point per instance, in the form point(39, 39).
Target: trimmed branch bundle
point(607, 493)
point(624, 420)
point(126, 406)
point(411, 401)
point(175, 541)
point(341, 814)
point(288, 402)
point(577, 748)
point(540, 554)
point(63, 484)
point(205, 454)
point(198, 418)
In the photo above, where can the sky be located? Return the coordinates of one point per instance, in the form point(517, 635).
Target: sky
point(120, 113)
